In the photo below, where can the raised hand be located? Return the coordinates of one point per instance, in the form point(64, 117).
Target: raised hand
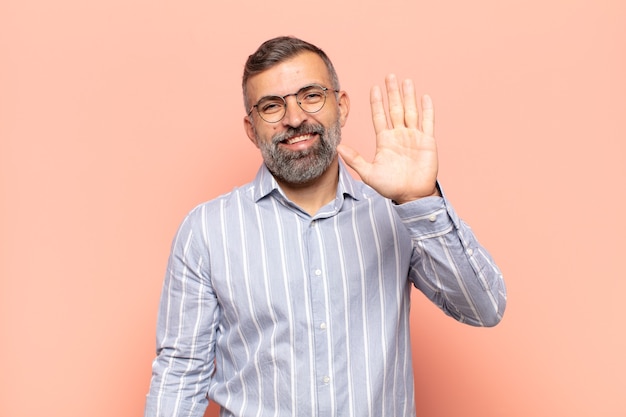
point(405, 164)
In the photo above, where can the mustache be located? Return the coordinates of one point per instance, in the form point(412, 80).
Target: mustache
point(305, 129)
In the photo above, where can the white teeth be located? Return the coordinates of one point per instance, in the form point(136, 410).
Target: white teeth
point(297, 139)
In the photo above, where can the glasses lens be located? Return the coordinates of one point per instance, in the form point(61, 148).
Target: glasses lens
point(312, 98)
point(271, 109)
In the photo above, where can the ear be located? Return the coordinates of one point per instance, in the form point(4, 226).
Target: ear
point(343, 102)
point(249, 128)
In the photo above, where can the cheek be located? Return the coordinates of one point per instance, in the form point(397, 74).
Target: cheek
point(264, 134)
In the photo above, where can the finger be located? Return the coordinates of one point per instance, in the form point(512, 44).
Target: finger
point(396, 109)
point(411, 116)
point(354, 160)
point(378, 110)
point(428, 116)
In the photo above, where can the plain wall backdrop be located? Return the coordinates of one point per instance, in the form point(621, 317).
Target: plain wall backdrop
point(117, 117)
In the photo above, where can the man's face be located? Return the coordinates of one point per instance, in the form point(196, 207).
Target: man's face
point(300, 147)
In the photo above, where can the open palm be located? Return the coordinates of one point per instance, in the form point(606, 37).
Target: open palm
point(405, 164)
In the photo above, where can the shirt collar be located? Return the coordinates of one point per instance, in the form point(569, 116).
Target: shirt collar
point(265, 184)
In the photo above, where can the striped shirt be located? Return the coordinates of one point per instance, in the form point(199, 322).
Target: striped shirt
point(268, 311)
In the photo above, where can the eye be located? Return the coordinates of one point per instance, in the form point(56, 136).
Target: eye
point(271, 105)
point(312, 95)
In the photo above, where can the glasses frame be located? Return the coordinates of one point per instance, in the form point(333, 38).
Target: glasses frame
point(284, 99)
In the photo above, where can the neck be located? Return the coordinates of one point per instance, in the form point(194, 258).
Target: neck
point(315, 194)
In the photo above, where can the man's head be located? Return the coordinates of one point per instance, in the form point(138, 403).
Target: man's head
point(294, 108)
point(277, 50)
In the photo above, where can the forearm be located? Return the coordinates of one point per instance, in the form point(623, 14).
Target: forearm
point(179, 385)
point(450, 266)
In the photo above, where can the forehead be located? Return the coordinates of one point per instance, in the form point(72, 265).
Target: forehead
point(289, 76)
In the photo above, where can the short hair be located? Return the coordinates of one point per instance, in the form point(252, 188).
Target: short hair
point(274, 51)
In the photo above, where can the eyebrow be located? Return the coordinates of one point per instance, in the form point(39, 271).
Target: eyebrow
point(291, 94)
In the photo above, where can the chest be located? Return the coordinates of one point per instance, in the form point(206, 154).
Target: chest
point(266, 265)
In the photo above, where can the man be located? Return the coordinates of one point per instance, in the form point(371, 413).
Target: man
point(290, 295)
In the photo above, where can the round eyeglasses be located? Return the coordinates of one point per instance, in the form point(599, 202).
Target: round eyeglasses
point(310, 98)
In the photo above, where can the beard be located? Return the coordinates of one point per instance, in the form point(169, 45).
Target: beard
point(301, 167)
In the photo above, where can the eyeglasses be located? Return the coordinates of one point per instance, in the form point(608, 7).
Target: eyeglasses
point(310, 98)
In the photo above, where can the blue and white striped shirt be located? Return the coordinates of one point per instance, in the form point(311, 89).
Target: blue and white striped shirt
point(271, 312)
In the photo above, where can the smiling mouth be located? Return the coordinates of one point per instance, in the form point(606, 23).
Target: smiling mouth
point(299, 138)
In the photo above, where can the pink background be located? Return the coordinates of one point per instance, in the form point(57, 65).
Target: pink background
point(117, 117)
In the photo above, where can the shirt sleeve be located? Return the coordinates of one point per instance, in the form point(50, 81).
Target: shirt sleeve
point(449, 265)
point(186, 328)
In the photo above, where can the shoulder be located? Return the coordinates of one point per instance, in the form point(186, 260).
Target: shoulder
point(222, 202)
point(208, 213)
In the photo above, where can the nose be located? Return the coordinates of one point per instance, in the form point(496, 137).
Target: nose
point(294, 115)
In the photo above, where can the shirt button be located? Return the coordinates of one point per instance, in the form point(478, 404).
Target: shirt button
point(432, 218)
point(470, 252)
point(318, 272)
point(326, 379)
point(323, 326)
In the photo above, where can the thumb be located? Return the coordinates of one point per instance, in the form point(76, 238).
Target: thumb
point(354, 160)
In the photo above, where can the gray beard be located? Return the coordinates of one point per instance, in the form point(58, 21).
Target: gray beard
point(301, 167)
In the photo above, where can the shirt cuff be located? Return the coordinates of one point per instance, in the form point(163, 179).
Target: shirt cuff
point(428, 217)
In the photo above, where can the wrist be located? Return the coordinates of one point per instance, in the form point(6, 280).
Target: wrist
point(402, 200)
